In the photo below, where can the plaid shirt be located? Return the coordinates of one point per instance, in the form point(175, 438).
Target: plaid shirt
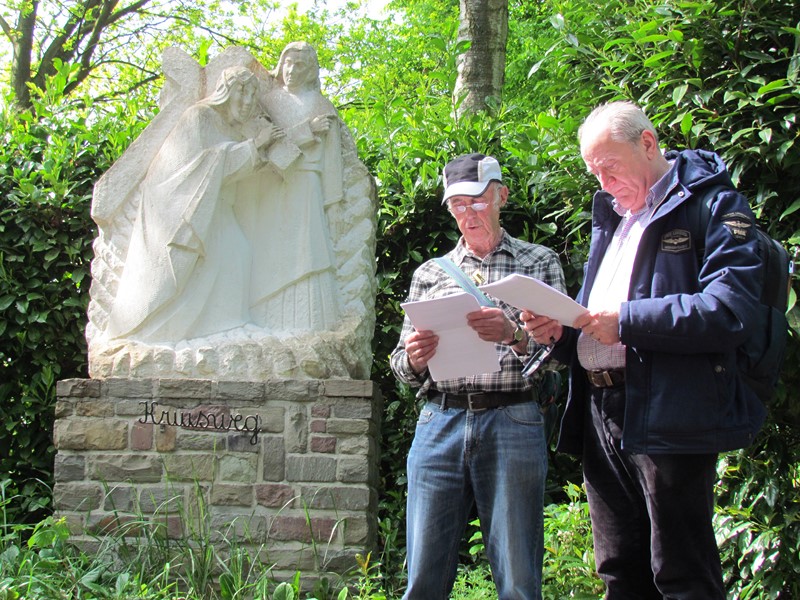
point(430, 281)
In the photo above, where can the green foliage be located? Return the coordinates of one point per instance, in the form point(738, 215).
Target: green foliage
point(758, 517)
point(46, 174)
point(569, 569)
point(474, 583)
point(368, 584)
point(133, 557)
point(38, 561)
point(48, 167)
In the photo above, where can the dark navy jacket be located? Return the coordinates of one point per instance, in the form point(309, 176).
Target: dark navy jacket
point(682, 321)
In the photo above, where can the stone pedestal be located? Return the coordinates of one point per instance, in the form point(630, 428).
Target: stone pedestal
point(286, 468)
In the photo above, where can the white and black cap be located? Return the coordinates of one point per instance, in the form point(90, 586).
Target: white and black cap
point(470, 175)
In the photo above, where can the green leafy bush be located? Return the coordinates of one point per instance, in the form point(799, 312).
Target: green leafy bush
point(569, 568)
point(758, 518)
point(48, 167)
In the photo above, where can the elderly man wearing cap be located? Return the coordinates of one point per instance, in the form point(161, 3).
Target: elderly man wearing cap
point(480, 439)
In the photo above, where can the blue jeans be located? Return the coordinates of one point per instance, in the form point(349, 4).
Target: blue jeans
point(651, 514)
point(496, 459)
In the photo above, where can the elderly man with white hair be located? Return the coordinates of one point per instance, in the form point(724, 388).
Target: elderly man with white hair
point(654, 392)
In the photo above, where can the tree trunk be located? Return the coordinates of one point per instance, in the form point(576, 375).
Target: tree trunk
point(481, 70)
point(22, 44)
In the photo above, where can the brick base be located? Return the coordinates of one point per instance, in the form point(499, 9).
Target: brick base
point(287, 468)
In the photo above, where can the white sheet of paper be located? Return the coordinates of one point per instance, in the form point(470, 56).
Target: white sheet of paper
point(528, 293)
point(460, 351)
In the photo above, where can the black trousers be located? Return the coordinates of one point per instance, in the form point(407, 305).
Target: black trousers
point(651, 514)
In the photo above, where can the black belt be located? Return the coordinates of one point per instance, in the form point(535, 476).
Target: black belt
point(479, 400)
point(606, 378)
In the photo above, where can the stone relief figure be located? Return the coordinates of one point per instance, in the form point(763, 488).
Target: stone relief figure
point(236, 234)
point(293, 290)
point(187, 269)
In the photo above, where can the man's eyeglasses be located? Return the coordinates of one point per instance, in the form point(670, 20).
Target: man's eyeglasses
point(460, 209)
point(538, 359)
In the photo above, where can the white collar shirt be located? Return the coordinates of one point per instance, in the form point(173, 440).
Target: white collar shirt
point(612, 283)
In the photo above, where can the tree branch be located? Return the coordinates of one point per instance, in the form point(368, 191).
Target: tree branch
point(7, 29)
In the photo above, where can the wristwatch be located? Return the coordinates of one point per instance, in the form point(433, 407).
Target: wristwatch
point(519, 335)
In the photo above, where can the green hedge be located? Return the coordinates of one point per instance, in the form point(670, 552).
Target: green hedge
point(48, 167)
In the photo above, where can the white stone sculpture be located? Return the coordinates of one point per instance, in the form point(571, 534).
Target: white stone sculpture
point(297, 290)
point(237, 233)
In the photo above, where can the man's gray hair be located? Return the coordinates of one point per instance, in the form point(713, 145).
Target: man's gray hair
point(497, 198)
point(624, 120)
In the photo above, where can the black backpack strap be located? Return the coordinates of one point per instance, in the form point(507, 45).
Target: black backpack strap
point(777, 265)
point(775, 257)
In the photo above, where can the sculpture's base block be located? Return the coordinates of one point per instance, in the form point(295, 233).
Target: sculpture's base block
point(284, 469)
point(243, 354)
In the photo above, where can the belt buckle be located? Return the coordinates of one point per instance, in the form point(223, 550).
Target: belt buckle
point(469, 401)
point(606, 374)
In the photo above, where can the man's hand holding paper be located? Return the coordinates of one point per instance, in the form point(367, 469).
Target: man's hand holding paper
point(535, 297)
point(420, 348)
point(544, 309)
point(541, 328)
point(460, 348)
point(491, 324)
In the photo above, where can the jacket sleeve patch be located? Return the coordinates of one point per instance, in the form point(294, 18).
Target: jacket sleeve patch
point(675, 241)
point(738, 224)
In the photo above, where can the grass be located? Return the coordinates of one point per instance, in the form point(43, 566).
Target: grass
point(136, 560)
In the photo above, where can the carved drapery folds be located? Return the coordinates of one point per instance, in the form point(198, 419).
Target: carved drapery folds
point(236, 235)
